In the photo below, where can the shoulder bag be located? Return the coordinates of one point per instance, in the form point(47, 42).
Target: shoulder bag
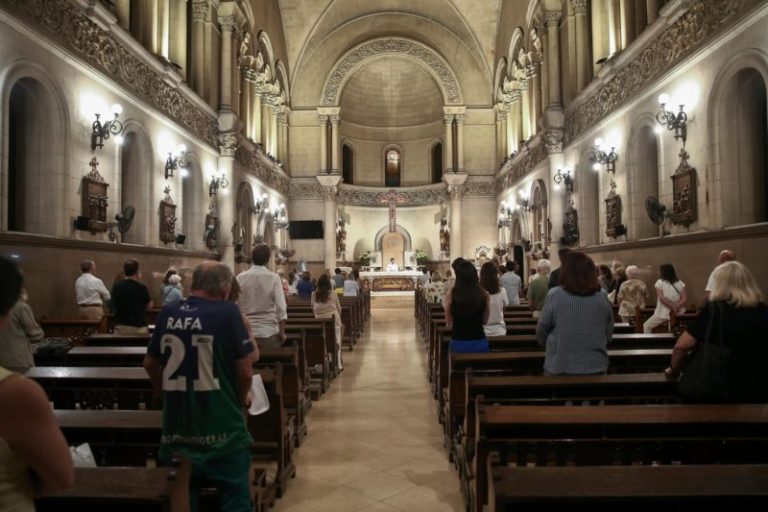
point(705, 375)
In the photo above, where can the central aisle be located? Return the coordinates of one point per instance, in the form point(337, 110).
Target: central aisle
point(374, 442)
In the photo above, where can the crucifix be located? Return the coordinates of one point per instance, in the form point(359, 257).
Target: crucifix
point(393, 199)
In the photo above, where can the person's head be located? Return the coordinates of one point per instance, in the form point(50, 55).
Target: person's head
point(305, 276)
point(174, 280)
point(391, 260)
point(167, 277)
point(437, 276)
point(726, 255)
point(131, 268)
point(605, 271)
point(633, 272)
point(579, 275)
point(324, 288)
point(338, 270)
point(621, 274)
point(449, 274)
point(455, 263)
point(260, 254)
point(735, 284)
point(489, 277)
point(544, 267)
point(88, 266)
point(11, 283)
point(510, 266)
point(467, 293)
point(562, 252)
point(667, 273)
point(211, 280)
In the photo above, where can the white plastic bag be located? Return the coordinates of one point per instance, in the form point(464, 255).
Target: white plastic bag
point(82, 456)
point(258, 396)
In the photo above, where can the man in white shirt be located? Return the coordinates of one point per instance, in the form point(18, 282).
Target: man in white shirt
point(262, 299)
point(392, 267)
point(90, 293)
point(512, 283)
point(723, 257)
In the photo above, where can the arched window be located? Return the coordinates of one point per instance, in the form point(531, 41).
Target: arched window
point(437, 163)
point(347, 164)
point(392, 166)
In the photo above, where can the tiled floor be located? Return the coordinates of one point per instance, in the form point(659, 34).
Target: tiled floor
point(374, 442)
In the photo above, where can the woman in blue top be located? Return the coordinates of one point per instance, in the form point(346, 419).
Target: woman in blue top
point(576, 323)
point(305, 287)
point(466, 311)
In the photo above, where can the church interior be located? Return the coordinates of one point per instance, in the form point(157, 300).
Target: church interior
point(391, 137)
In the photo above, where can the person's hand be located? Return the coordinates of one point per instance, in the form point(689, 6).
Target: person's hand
point(671, 373)
point(247, 401)
point(283, 337)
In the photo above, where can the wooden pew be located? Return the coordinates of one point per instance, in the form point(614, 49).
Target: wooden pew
point(73, 329)
point(117, 340)
point(293, 387)
point(318, 355)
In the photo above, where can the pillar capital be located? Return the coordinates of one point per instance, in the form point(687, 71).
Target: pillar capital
point(551, 19)
point(334, 119)
point(323, 119)
point(579, 6)
point(448, 119)
point(460, 118)
point(200, 9)
point(330, 184)
point(227, 23)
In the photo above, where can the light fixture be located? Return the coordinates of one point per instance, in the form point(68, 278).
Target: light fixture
point(102, 131)
point(563, 176)
point(524, 201)
point(677, 123)
point(505, 215)
point(262, 205)
point(217, 182)
point(279, 217)
point(174, 161)
point(600, 157)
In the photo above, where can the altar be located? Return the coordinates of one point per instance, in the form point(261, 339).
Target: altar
point(390, 283)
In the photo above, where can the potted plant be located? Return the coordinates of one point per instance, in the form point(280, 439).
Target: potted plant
point(365, 259)
point(421, 257)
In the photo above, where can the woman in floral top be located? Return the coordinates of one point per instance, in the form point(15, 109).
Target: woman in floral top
point(632, 294)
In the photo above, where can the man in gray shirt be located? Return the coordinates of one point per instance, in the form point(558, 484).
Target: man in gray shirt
point(511, 282)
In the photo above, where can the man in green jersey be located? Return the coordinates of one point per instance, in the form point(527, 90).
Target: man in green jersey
point(202, 358)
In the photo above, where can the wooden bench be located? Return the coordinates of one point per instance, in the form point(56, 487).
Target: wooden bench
point(319, 353)
point(73, 329)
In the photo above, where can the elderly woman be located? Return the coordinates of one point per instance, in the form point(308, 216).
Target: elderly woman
point(632, 295)
point(576, 323)
point(538, 288)
point(735, 316)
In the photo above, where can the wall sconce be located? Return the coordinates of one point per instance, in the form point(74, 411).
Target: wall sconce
point(600, 157)
point(102, 131)
point(279, 217)
point(677, 123)
point(563, 176)
point(524, 201)
point(217, 182)
point(505, 215)
point(262, 205)
point(174, 161)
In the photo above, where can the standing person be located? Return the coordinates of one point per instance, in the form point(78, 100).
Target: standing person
point(90, 293)
point(17, 337)
point(554, 276)
point(262, 299)
point(306, 287)
point(497, 301)
point(670, 296)
point(171, 289)
point(632, 295)
point(724, 256)
point(30, 440)
point(351, 286)
point(606, 279)
point(467, 308)
point(512, 283)
point(325, 304)
point(338, 279)
point(284, 282)
point(206, 342)
point(538, 288)
point(131, 300)
point(576, 323)
point(621, 278)
point(392, 267)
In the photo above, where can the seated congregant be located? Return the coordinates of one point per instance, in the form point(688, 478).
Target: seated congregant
point(305, 286)
point(576, 323)
point(467, 308)
point(351, 286)
point(489, 280)
point(392, 267)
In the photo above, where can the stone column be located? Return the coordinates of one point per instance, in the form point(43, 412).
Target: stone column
point(525, 113)
point(197, 45)
point(455, 182)
point(226, 197)
point(582, 44)
point(533, 94)
point(614, 26)
point(245, 106)
point(448, 146)
point(227, 24)
point(653, 10)
point(627, 22)
point(256, 115)
point(324, 144)
point(501, 134)
point(556, 206)
point(516, 121)
point(123, 13)
point(148, 25)
point(552, 20)
point(178, 36)
point(330, 184)
point(273, 135)
point(282, 134)
point(334, 143)
point(459, 142)
point(599, 35)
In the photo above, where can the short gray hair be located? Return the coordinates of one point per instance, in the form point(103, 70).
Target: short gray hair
point(632, 272)
point(211, 278)
point(544, 266)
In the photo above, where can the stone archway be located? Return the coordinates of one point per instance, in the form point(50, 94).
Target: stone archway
point(393, 244)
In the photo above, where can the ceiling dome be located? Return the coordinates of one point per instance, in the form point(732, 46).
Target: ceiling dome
point(391, 92)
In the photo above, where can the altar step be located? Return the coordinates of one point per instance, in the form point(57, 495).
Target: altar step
point(393, 302)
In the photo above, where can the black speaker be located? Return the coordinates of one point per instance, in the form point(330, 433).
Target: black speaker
point(621, 229)
point(82, 223)
point(180, 239)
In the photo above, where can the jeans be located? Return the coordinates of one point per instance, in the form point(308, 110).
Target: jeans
point(230, 475)
point(459, 346)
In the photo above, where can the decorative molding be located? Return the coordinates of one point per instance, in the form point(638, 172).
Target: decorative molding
point(520, 166)
point(228, 144)
point(405, 47)
point(27, 240)
point(355, 196)
point(72, 29)
point(703, 19)
point(579, 6)
point(311, 190)
point(455, 191)
point(552, 18)
point(553, 140)
point(480, 189)
point(254, 164)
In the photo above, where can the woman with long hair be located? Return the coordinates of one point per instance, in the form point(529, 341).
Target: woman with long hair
point(670, 296)
point(325, 304)
point(576, 323)
point(467, 308)
point(497, 301)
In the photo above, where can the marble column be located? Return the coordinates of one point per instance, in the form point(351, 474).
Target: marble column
point(265, 124)
point(178, 36)
point(256, 115)
point(516, 122)
point(324, 144)
point(533, 93)
point(227, 24)
point(599, 35)
point(273, 135)
point(582, 44)
point(614, 26)
point(197, 45)
point(455, 182)
point(627, 12)
point(244, 112)
point(282, 134)
point(448, 145)
point(226, 204)
point(552, 20)
point(459, 142)
point(334, 143)
point(653, 10)
point(525, 113)
point(501, 134)
point(330, 183)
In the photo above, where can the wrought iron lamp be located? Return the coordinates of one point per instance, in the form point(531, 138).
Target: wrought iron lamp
point(262, 205)
point(600, 157)
point(173, 162)
point(217, 182)
point(102, 131)
point(524, 201)
point(563, 176)
point(505, 215)
point(279, 217)
point(677, 123)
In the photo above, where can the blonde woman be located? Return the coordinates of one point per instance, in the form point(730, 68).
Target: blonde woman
point(739, 320)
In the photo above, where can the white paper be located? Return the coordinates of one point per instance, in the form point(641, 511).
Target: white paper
point(258, 396)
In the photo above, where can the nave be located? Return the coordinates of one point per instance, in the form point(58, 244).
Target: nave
point(373, 442)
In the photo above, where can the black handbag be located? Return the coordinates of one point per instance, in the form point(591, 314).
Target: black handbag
point(705, 374)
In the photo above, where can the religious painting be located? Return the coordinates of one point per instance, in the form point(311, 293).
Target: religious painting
point(684, 199)
point(168, 219)
point(613, 212)
point(94, 193)
point(570, 226)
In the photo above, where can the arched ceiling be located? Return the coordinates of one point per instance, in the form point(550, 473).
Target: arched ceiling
point(391, 91)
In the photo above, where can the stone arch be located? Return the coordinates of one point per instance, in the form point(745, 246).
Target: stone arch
point(539, 202)
point(265, 44)
point(282, 75)
point(498, 79)
point(588, 203)
point(420, 53)
point(735, 124)
point(244, 217)
point(192, 199)
point(644, 163)
point(515, 43)
point(400, 229)
point(135, 179)
point(45, 115)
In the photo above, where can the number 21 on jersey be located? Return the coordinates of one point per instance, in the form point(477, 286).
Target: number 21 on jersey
point(180, 361)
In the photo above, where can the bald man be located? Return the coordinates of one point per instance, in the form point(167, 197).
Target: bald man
point(723, 257)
